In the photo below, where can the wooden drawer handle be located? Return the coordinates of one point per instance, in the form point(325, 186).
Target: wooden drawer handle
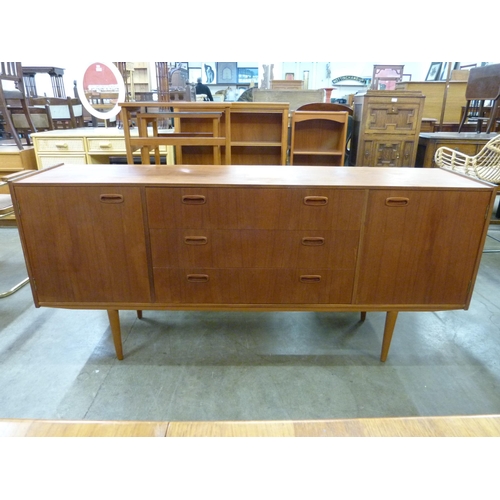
point(313, 241)
point(197, 278)
point(397, 201)
point(193, 199)
point(195, 240)
point(310, 278)
point(111, 198)
point(316, 200)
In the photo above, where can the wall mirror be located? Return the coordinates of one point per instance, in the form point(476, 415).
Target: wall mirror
point(100, 89)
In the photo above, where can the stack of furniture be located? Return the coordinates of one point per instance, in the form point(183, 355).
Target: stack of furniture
point(386, 128)
point(12, 72)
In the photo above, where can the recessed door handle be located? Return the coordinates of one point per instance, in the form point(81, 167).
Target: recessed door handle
point(397, 201)
point(316, 200)
point(195, 240)
point(310, 278)
point(193, 199)
point(313, 241)
point(197, 278)
point(111, 198)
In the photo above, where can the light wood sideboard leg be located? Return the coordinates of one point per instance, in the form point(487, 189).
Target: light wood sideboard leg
point(390, 323)
point(114, 321)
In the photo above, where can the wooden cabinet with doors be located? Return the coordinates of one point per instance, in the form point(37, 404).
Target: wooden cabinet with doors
point(386, 128)
point(252, 238)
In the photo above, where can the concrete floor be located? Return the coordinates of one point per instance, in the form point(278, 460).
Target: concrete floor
point(60, 364)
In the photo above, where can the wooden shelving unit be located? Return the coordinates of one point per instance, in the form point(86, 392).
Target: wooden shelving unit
point(259, 133)
point(318, 138)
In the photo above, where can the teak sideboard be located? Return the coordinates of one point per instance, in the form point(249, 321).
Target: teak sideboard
point(253, 238)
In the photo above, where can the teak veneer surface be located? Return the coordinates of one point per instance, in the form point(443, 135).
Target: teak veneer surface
point(449, 426)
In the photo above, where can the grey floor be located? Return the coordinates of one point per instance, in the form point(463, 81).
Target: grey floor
point(60, 364)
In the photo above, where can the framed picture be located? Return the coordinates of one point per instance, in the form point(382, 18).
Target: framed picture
point(227, 72)
point(289, 76)
point(247, 75)
point(444, 71)
point(194, 74)
point(434, 71)
point(208, 73)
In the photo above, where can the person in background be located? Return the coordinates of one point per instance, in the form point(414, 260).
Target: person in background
point(203, 89)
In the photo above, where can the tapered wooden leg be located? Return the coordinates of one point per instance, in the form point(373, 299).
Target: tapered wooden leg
point(139, 314)
point(390, 323)
point(363, 315)
point(114, 321)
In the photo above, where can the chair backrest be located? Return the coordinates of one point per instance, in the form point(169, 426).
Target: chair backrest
point(483, 83)
point(13, 72)
point(66, 112)
point(40, 115)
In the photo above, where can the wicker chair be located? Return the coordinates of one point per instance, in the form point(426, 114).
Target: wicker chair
point(485, 165)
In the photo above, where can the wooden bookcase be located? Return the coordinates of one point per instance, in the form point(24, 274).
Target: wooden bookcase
point(318, 138)
point(257, 132)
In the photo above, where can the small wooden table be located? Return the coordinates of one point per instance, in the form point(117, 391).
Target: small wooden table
point(465, 142)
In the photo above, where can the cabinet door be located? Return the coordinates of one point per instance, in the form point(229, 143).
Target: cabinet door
point(387, 153)
point(421, 247)
point(85, 244)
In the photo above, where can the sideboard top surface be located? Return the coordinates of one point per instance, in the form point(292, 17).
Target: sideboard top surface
point(253, 175)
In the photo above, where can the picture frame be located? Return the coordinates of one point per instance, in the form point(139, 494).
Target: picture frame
point(227, 73)
point(289, 76)
point(247, 75)
point(444, 71)
point(209, 73)
point(434, 71)
point(194, 74)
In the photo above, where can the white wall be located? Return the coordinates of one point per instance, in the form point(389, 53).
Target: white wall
point(320, 73)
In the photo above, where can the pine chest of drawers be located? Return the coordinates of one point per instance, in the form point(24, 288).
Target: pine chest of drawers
point(252, 238)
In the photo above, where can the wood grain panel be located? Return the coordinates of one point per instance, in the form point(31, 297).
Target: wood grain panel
point(413, 255)
point(88, 250)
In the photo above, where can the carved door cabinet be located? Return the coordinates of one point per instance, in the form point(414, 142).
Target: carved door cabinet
point(253, 238)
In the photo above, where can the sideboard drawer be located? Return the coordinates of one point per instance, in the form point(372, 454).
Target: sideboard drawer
point(61, 145)
point(253, 208)
point(172, 248)
point(253, 286)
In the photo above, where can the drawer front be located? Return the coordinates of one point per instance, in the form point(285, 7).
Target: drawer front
point(254, 208)
point(61, 145)
point(45, 161)
point(392, 118)
point(467, 149)
point(253, 286)
point(104, 145)
point(172, 248)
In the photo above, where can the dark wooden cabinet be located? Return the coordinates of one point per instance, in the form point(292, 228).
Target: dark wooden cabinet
point(253, 238)
point(386, 128)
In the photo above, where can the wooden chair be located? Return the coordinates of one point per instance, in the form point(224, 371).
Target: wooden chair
point(485, 165)
point(483, 85)
point(40, 115)
point(13, 72)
